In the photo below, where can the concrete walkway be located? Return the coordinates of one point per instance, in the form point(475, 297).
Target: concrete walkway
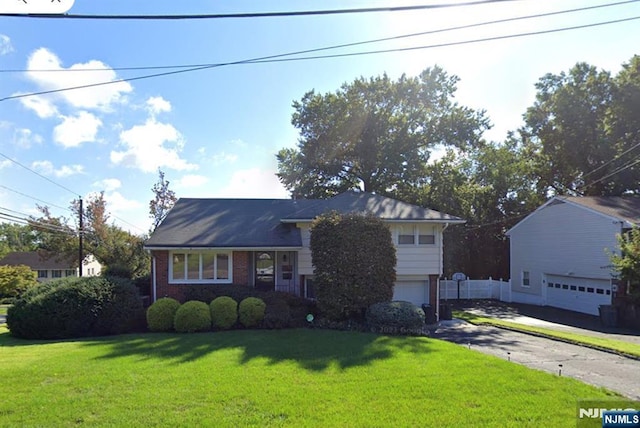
point(597, 368)
point(547, 317)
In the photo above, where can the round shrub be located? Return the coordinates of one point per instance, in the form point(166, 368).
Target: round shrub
point(224, 312)
point(277, 314)
point(396, 318)
point(192, 316)
point(76, 307)
point(251, 311)
point(161, 313)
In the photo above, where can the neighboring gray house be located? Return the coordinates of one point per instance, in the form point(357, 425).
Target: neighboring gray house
point(51, 268)
point(560, 252)
point(264, 243)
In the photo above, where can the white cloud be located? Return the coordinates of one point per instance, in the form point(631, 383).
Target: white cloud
point(5, 45)
point(108, 184)
point(151, 146)
point(192, 180)
point(97, 97)
point(5, 163)
point(157, 105)
point(41, 105)
point(224, 157)
point(25, 138)
point(254, 183)
point(46, 168)
point(75, 130)
point(118, 203)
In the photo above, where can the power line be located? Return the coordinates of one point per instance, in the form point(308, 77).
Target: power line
point(622, 168)
point(39, 175)
point(608, 162)
point(34, 198)
point(258, 14)
point(278, 58)
point(36, 224)
point(384, 39)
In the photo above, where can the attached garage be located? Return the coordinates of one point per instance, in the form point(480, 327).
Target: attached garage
point(577, 294)
point(416, 292)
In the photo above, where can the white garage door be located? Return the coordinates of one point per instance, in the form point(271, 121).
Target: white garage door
point(416, 292)
point(578, 294)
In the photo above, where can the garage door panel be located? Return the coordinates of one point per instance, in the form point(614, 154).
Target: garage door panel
point(415, 292)
point(577, 294)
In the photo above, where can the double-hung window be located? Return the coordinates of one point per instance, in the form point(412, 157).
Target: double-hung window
point(200, 266)
point(416, 234)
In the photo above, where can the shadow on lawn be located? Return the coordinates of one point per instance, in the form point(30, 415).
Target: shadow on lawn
point(312, 349)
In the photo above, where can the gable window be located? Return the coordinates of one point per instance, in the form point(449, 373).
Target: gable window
point(525, 279)
point(412, 235)
point(200, 266)
point(43, 273)
point(56, 273)
point(426, 235)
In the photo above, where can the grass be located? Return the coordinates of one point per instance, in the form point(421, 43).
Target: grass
point(275, 378)
point(610, 345)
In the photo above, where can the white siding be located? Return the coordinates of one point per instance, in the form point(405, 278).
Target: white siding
point(561, 239)
point(416, 260)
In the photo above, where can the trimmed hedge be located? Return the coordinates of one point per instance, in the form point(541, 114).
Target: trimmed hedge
point(354, 261)
point(277, 314)
point(76, 307)
point(396, 318)
point(192, 316)
point(251, 312)
point(224, 312)
point(161, 313)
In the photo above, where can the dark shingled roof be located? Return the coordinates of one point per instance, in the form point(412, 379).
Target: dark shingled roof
point(623, 208)
point(268, 223)
point(35, 261)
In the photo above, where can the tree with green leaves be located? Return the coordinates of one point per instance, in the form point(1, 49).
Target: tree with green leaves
point(586, 129)
point(16, 237)
point(164, 199)
point(375, 134)
point(627, 262)
point(15, 280)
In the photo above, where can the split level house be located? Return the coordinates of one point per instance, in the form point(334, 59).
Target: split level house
point(264, 243)
point(560, 253)
point(51, 267)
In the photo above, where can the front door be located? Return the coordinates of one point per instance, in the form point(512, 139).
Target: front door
point(265, 270)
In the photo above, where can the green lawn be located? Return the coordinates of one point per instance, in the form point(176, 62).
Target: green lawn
point(275, 378)
point(618, 346)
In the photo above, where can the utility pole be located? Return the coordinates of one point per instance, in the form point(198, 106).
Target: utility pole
point(80, 233)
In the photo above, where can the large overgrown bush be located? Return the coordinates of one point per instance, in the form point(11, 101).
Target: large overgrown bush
point(224, 312)
point(354, 259)
point(395, 318)
point(251, 311)
point(161, 313)
point(192, 316)
point(76, 307)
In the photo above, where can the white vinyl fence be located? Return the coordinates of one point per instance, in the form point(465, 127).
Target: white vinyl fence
point(475, 289)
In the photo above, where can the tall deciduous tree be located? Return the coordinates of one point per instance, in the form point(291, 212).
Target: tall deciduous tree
point(375, 134)
point(627, 261)
point(586, 126)
point(164, 199)
point(16, 237)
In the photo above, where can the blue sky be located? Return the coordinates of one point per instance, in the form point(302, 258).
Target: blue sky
point(215, 132)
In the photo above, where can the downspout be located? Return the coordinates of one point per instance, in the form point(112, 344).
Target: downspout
point(153, 262)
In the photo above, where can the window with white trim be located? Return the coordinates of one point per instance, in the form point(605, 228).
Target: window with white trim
point(526, 282)
point(412, 235)
point(42, 273)
point(56, 273)
point(200, 267)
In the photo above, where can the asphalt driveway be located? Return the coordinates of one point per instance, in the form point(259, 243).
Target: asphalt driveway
point(598, 368)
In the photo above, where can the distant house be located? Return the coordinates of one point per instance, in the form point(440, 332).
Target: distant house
point(264, 243)
point(560, 252)
point(51, 268)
